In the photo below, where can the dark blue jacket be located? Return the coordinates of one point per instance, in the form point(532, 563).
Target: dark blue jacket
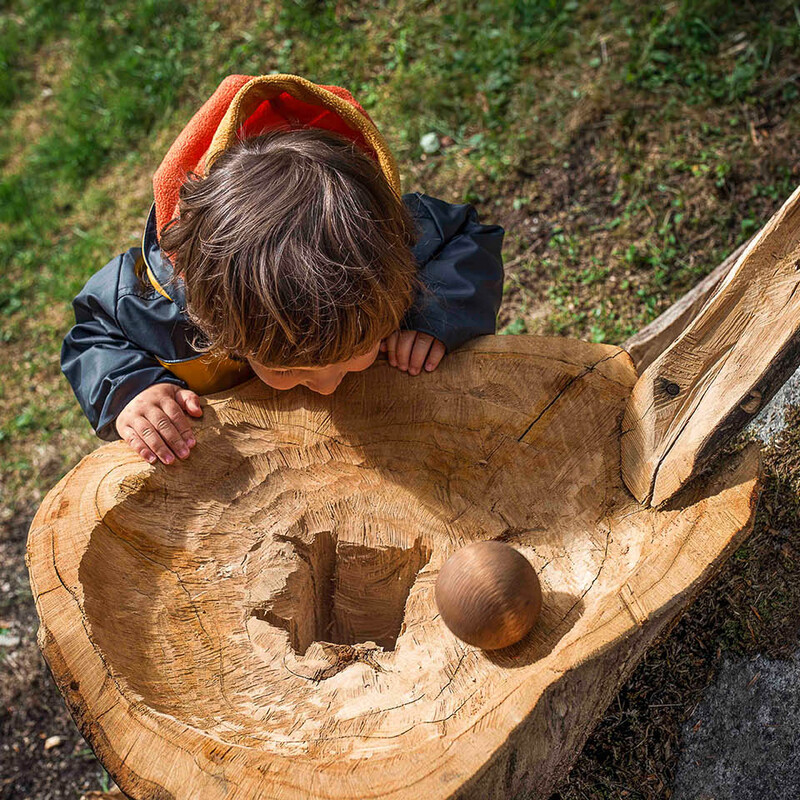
point(128, 336)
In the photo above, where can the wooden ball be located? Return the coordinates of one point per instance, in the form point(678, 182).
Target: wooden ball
point(488, 594)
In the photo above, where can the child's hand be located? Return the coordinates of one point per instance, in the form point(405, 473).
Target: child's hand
point(154, 423)
point(409, 350)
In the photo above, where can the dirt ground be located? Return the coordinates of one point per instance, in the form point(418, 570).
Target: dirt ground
point(31, 709)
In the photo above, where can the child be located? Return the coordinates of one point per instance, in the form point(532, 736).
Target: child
point(289, 253)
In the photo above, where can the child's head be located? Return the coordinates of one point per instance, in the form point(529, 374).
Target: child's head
point(295, 253)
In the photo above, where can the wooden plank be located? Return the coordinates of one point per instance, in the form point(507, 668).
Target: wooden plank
point(651, 341)
point(730, 360)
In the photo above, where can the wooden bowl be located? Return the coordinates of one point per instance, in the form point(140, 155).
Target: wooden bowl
point(259, 620)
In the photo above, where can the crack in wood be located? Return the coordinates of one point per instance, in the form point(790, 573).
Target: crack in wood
point(569, 383)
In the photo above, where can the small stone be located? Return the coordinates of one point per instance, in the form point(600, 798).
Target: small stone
point(429, 142)
point(51, 742)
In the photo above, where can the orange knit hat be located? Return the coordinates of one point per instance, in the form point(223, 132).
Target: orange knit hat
point(246, 105)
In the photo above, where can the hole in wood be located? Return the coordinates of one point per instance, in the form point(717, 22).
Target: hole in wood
point(339, 592)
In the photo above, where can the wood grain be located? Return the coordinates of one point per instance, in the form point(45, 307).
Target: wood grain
point(259, 621)
point(722, 369)
point(651, 341)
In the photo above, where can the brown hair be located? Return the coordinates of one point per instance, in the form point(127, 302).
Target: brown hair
point(294, 250)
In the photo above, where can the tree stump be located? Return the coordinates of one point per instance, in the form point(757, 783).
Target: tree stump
point(259, 621)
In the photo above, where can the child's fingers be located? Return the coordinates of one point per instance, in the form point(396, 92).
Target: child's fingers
point(422, 345)
point(405, 342)
point(391, 348)
point(189, 402)
point(166, 425)
point(175, 413)
point(435, 356)
point(150, 429)
point(137, 443)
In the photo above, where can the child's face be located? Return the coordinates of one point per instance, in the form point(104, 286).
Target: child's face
point(323, 380)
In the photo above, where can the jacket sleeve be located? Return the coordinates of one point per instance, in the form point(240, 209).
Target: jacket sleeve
point(462, 267)
point(104, 367)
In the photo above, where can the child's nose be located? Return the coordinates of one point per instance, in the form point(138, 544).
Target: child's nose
point(327, 386)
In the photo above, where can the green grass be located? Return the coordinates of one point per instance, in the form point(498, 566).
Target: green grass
point(448, 69)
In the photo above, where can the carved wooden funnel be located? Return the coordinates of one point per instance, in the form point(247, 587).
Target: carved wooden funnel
point(259, 621)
